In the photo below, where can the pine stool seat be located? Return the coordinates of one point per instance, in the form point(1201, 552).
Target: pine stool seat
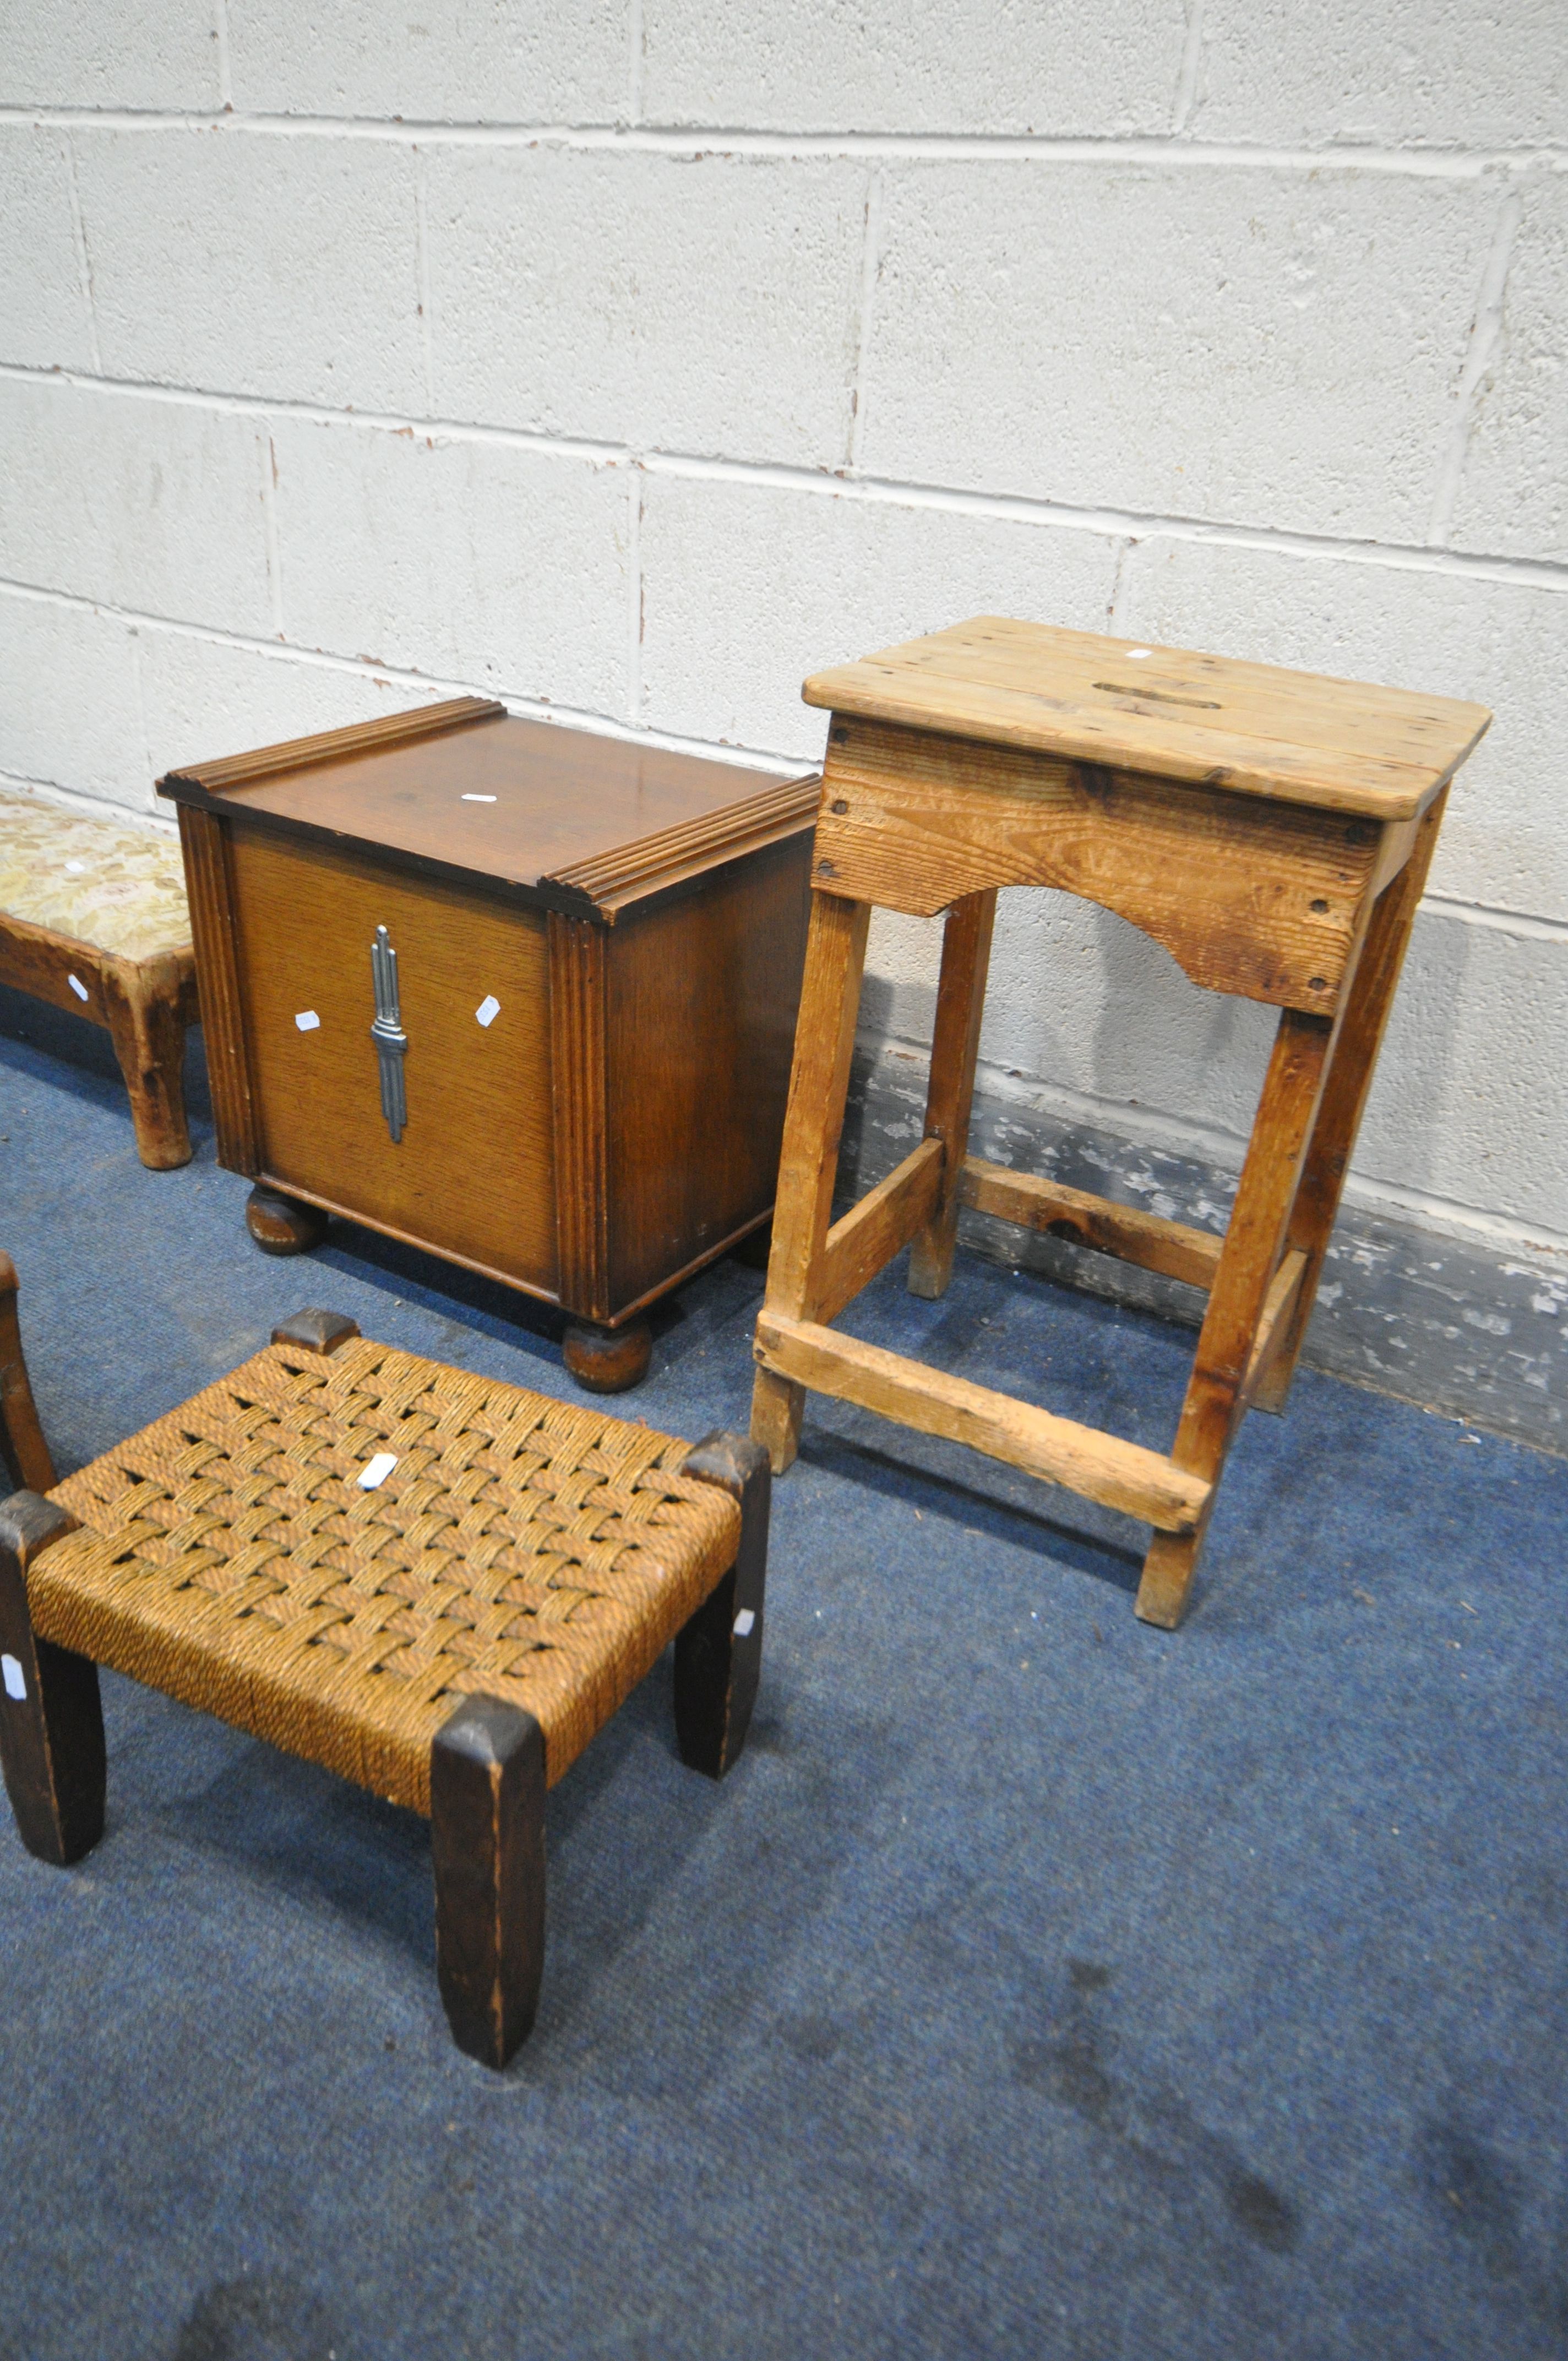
point(436, 1585)
point(1272, 830)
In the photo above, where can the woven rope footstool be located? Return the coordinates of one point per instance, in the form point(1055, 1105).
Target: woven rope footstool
point(434, 1584)
point(93, 917)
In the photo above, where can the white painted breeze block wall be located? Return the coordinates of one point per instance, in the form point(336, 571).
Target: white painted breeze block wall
point(629, 361)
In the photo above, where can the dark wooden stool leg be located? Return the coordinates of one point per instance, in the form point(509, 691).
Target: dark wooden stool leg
point(814, 1125)
point(718, 1655)
point(1254, 1241)
point(606, 1360)
point(955, 1045)
point(52, 1726)
point(23, 1450)
point(1370, 998)
point(145, 1004)
point(283, 1225)
point(316, 1331)
point(487, 1829)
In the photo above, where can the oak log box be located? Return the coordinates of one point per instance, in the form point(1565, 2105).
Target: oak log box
point(582, 960)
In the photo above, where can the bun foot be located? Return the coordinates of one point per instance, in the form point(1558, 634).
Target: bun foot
point(283, 1225)
point(756, 1247)
point(606, 1360)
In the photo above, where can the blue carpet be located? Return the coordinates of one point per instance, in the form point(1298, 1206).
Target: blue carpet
point(1039, 1983)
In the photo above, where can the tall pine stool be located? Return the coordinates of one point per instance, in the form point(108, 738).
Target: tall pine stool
point(1273, 830)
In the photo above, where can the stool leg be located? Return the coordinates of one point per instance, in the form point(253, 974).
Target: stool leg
point(23, 1450)
point(808, 1165)
point(143, 1002)
point(1369, 1000)
point(52, 1726)
point(486, 1832)
point(718, 1655)
point(1254, 1244)
point(960, 1000)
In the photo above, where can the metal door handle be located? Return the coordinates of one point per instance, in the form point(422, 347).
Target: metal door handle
point(386, 1032)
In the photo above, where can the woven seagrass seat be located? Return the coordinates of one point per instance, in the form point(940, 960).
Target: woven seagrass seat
point(434, 1584)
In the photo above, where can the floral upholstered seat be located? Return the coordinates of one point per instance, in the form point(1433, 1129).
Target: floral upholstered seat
point(103, 881)
point(93, 917)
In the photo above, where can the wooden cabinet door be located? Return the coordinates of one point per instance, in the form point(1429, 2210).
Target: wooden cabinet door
point(473, 1175)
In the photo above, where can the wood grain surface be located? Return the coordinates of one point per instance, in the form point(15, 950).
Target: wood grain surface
point(580, 1113)
point(1257, 729)
point(814, 1125)
point(474, 1173)
point(204, 842)
point(1146, 1239)
point(144, 1005)
point(534, 809)
point(880, 1227)
point(1249, 898)
point(23, 1450)
point(701, 990)
point(486, 1842)
point(335, 745)
point(51, 1735)
point(955, 1045)
point(1102, 1467)
point(718, 1653)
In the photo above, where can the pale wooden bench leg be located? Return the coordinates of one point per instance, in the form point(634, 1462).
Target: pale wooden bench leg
point(1255, 1242)
point(1370, 998)
point(487, 1829)
point(955, 1045)
point(143, 1002)
point(23, 1450)
point(51, 1725)
point(718, 1655)
point(814, 1125)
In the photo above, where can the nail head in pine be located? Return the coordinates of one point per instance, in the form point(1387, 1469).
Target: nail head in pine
point(1272, 830)
point(520, 994)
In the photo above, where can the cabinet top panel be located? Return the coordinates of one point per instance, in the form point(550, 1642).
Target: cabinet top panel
point(562, 818)
point(1170, 712)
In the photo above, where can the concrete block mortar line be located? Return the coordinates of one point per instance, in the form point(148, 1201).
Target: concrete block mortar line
point(1486, 335)
point(422, 239)
point(566, 716)
point(869, 265)
point(1504, 922)
point(49, 791)
point(634, 45)
point(269, 521)
point(1163, 1132)
point(1125, 549)
point(84, 260)
point(635, 616)
point(221, 28)
point(140, 677)
point(1525, 924)
point(695, 466)
point(1191, 60)
point(708, 140)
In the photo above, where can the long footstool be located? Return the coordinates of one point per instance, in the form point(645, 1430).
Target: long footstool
point(93, 917)
point(436, 1585)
